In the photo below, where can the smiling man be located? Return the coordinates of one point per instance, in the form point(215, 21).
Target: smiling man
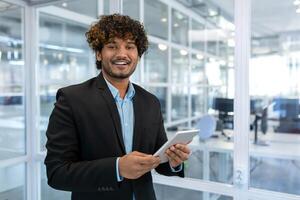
point(102, 133)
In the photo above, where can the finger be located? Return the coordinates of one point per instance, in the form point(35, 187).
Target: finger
point(183, 148)
point(182, 155)
point(173, 156)
point(149, 160)
point(177, 151)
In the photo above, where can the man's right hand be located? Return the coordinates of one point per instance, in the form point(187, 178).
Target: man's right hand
point(136, 164)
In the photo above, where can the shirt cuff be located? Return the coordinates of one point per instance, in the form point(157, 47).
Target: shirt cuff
point(176, 169)
point(119, 178)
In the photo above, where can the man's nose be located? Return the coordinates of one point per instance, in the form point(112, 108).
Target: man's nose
point(121, 53)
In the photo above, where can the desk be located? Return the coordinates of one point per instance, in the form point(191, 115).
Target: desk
point(281, 146)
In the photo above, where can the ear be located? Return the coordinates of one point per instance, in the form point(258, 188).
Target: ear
point(98, 56)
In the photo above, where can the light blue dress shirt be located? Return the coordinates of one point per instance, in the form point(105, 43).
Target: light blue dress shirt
point(126, 113)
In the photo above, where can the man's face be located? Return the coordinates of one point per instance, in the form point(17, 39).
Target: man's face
point(119, 58)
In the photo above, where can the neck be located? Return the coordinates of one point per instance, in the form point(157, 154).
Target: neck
point(120, 84)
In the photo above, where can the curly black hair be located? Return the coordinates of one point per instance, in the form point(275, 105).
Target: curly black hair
point(120, 26)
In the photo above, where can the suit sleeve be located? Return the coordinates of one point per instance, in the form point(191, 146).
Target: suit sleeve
point(65, 169)
point(165, 168)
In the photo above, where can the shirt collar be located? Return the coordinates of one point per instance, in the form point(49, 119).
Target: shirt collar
point(115, 92)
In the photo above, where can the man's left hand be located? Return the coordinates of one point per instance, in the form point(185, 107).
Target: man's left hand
point(177, 154)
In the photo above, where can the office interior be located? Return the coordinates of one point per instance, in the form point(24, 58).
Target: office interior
point(230, 68)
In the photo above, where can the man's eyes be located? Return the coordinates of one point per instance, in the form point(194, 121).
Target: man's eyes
point(111, 46)
point(129, 47)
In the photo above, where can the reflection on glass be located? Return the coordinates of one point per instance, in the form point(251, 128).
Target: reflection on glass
point(174, 193)
point(106, 6)
point(136, 76)
point(213, 72)
point(132, 8)
point(278, 174)
point(180, 66)
point(212, 35)
point(89, 9)
point(199, 101)
point(12, 119)
point(156, 18)
point(65, 59)
point(156, 63)
point(221, 167)
point(198, 75)
point(197, 35)
point(180, 27)
point(161, 94)
point(275, 99)
point(194, 165)
point(179, 103)
point(48, 193)
point(12, 184)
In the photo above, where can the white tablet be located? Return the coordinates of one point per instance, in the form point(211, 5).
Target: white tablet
point(181, 137)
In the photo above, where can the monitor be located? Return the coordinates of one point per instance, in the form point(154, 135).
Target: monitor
point(223, 104)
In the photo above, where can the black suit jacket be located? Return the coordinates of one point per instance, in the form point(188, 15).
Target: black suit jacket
point(85, 138)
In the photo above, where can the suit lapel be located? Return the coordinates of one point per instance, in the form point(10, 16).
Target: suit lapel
point(138, 115)
point(101, 84)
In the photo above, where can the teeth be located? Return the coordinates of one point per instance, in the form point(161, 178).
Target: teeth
point(120, 63)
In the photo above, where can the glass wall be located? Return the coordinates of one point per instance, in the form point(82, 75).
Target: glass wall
point(170, 193)
point(12, 182)
point(12, 116)
point(275, 97)
point(189, 67)
point(64, 59)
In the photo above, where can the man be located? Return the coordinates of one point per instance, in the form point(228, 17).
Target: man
point(102, 133)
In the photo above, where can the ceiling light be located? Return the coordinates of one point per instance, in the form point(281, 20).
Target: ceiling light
point(183, 52)
point(175, 25)
point(199, 56)
point(298, 10)
point(212, 12)
point(212, 60)
point(296, 2)
point(64, 4)
point(45, 62)
point(162, 47)
point(163, 19)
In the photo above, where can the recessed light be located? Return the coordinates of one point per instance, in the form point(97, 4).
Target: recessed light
point(163, 19)
point(183, 52)
point(162, 47)
point(296, 2)
point(64, 4)
point(199, 56)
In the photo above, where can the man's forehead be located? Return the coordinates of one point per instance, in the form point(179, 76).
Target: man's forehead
point(116, 39)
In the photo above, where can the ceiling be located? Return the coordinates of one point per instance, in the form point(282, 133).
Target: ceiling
point(269, 17)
